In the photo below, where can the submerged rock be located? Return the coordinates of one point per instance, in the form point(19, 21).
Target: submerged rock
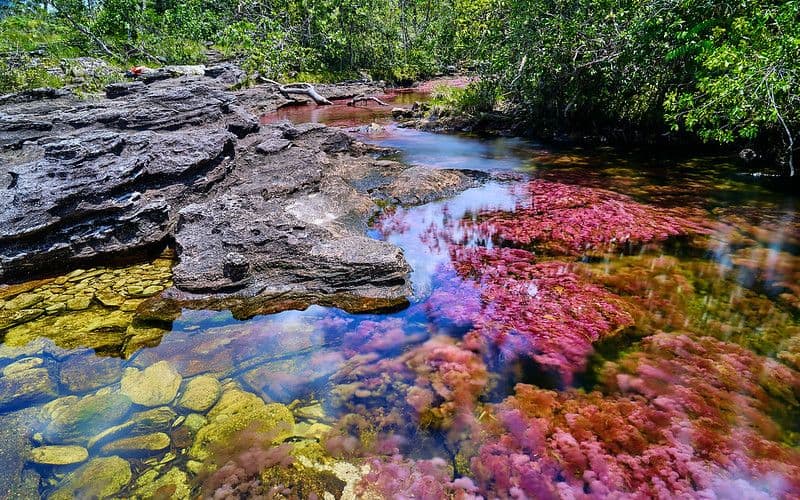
point(59, 455)
point(99, 478)
point(136, 445)
point(31, 385)
point(74, 420)
point(235, 411)
point(143, 422)
point(80, 374)
point(155, 385)
point(22, 365)
point(201, 393)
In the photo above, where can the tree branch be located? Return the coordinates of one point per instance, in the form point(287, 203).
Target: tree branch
point(89, 34)
point(361, 98)
point(300, 88)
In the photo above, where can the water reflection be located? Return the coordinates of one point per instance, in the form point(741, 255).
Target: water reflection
point(456, 151)
point(606, 330)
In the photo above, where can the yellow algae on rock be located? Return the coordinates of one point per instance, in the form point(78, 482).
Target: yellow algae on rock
point(235, 411)
point(59, 455)
point(99, 478)
point(154, 386)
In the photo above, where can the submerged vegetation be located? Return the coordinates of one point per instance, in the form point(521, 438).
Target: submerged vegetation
point(573, 326)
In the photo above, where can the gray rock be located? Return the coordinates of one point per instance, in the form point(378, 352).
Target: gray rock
point(183, 159)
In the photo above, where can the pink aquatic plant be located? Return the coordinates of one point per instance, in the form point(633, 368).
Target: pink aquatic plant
point(571, 220)
point(545, 311)
point(237, 466)
point(437, 381)
point(401, 478)
point(684, 418)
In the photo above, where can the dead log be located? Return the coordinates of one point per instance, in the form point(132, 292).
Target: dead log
point(301, 89)
point(360, 98)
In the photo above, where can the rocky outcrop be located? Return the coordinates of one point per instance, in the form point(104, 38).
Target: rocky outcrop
point(257, 213)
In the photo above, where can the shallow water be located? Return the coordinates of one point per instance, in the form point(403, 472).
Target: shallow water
point(650, 311)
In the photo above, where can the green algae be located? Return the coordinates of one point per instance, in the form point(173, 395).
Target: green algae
point(235, 411)
point(99, 478)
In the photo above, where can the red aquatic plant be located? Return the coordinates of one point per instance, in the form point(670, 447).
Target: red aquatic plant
point(685, 417)
point(436, 381)
point(570, 220)
point(397, 477)
point(545, 311)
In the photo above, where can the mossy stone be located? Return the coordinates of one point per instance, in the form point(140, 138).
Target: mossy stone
point(100, 478)
point(154, 386)
point(23, 301)
point(79, 303)
point(172, 484)
point(138, 444)
point(200, 394)
point(59, 455)
point(235, 411)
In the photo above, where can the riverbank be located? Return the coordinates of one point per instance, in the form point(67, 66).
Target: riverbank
point(255, 211)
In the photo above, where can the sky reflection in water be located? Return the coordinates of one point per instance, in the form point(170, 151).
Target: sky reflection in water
point(692, 344)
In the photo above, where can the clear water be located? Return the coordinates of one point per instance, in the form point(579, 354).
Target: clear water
point(652, 362)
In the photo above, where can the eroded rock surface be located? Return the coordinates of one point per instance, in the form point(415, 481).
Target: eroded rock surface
point(256, 212)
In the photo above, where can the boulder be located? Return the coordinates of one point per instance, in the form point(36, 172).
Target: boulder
point(100, 478)
point(154, 386)
point(200, 394)
point(236, 411)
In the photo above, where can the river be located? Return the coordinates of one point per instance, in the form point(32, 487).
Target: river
point(583, 324)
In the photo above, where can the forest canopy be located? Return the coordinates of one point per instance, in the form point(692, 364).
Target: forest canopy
point(723, 72)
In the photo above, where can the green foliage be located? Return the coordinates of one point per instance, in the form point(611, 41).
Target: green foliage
point(726, 71)
point(21, 73)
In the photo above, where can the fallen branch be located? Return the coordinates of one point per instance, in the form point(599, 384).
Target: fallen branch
point(89, 34)
point(360, 98)
point(300, 88)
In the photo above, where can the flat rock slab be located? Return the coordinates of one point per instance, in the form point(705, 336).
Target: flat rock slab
point(257, 213)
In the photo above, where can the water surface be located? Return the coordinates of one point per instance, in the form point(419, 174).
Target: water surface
point(649, 311)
